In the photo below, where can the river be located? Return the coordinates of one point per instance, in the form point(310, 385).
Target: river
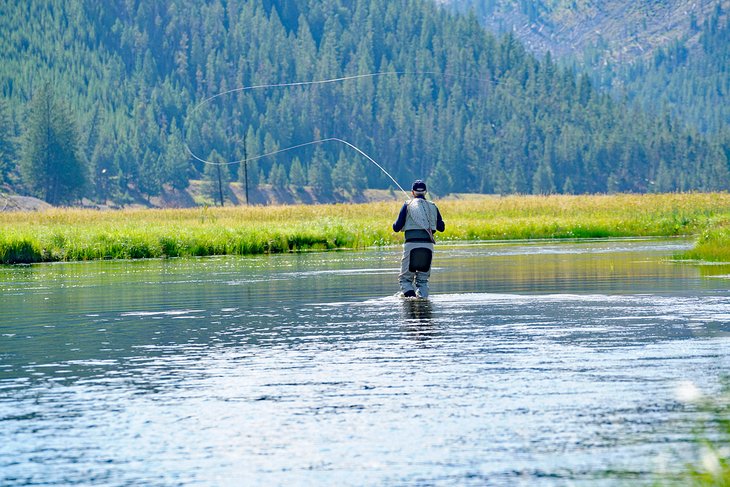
point(537, 363)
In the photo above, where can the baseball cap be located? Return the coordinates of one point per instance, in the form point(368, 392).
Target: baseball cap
point(419, 186)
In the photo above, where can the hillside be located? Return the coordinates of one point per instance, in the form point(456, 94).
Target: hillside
point(669, 55)
point(429, 95)
point(689, 78)
point(612, 30)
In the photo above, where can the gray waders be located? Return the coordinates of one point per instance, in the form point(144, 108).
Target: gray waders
point(415, 268)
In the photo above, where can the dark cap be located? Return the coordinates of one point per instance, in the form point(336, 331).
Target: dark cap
point(419, 186)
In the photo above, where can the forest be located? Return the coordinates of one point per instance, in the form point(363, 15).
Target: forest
point(98, 101)
point(690, 77)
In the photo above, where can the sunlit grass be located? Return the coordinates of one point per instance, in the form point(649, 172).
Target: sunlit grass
point(713, 244)
point(74, 234)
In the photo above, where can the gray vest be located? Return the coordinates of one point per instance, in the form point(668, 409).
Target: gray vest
point(422, 214)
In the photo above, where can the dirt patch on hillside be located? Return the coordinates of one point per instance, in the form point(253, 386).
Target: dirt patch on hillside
point(22, 203)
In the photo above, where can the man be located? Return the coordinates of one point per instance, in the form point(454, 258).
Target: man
point(418, 218)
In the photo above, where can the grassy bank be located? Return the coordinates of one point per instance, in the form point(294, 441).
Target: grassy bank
point(713, 243)
point(73, 234)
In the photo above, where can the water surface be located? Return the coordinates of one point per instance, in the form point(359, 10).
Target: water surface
point(542, 363)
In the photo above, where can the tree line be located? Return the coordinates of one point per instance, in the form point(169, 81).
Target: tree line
point(98, 101)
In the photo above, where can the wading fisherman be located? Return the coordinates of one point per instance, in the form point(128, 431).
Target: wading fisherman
point(418, 218)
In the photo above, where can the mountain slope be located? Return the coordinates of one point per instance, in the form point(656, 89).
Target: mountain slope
point(614, 30)
point(669, 55)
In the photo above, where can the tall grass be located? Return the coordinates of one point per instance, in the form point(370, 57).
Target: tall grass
point(75, 234)
point(710, 465)
point(713, 243)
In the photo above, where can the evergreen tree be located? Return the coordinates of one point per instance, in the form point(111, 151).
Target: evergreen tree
point(358, 181)
point(176, 160)
point(542, 180)
point(50, 164)
point(320, 174)
point(103, 168)
point(124, 159)
point(150, 174)
point(568, 187)
point(278, 177)
point(439, 182)
point(341, 175)
point(297, 177)
point(215, 181)
point(7, 145)
point(664, 181)
point(248, 170)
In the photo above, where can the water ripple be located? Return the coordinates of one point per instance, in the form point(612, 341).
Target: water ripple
point(528, 365)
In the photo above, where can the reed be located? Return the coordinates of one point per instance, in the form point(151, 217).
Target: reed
point(77, 234)
point(710, 465)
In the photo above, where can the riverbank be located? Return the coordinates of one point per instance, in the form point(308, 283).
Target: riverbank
point(73, 234)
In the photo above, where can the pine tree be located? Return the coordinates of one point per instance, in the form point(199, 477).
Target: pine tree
point(320, 174)
point(7, 146)
point(341, 175)
point(176, 160)
point(663, 181)
point(150, 174)
point(248, 170)
point(50, 164)
point(358, 181)
point(103, 167)
point(277, 176)
point(215, 182)
point(439, 182)
point(297, 177)
point(542, 180)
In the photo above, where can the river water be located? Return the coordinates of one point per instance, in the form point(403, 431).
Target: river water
point(531, 364)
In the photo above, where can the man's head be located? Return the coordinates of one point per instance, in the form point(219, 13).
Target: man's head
point(418, 188)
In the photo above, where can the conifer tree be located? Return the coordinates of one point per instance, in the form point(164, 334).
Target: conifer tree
point(150, 174)
point(50, 164)
point(297, 177)
point(358, 181)
point(341, 175)
point(7, 145)
point(103, 167)
point(215, 181)
point(320, 174)
point(278, 177)
point(176, 160)
point(542, 180)
point(248, 170)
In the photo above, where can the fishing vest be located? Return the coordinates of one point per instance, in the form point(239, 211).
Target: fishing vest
point(422, 214)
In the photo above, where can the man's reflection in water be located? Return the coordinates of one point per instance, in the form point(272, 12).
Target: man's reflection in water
point(417, 314)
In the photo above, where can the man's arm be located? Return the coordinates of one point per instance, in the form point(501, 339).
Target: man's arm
point(401, 221)
point(440, 225)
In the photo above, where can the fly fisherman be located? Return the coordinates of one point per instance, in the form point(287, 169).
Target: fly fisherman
point(418, 218)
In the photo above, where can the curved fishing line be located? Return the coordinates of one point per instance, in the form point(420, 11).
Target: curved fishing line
point(311, 142)
point(329, 139)
point(294, 83)
point(334, 80)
